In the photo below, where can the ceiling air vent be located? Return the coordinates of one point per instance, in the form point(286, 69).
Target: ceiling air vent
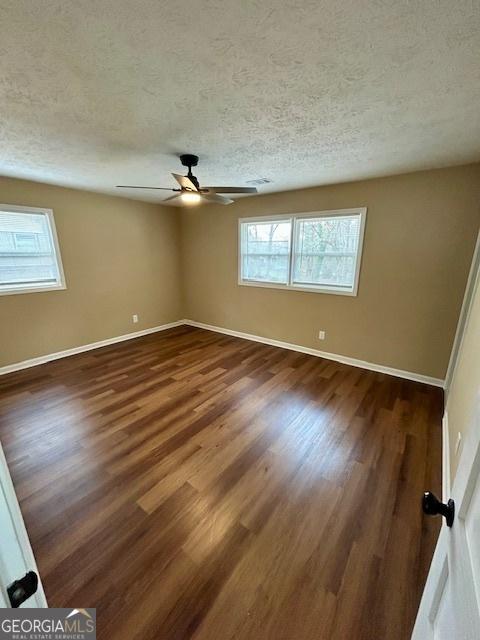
point(259, 181)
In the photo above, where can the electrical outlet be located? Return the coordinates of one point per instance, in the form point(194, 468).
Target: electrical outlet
point(135, 318)
point(321, 335)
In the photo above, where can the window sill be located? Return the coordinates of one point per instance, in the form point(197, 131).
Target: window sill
point(32, 289)
point(294, 287)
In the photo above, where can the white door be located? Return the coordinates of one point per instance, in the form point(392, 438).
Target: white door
point(16, 556)
point(450, 606)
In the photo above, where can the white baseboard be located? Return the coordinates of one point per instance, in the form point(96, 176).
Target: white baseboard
point(445, 458)
point(380, 368)
point(33, 362)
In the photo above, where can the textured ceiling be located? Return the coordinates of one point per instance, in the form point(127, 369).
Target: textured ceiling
point(104, 92)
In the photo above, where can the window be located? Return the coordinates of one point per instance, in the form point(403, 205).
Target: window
point(29, 254)
point(308, 252)
point(266, 251)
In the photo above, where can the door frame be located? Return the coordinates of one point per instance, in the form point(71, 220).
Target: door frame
point(473, 282)
point(470, 288)
point(38, 600)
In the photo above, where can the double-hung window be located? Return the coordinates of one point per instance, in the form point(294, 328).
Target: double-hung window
point(29, 253)
point(318, 252)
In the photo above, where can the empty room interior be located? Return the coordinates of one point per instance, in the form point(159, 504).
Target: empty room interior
point(247, 411)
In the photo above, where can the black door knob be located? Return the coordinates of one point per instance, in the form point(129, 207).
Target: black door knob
point(432, 506)
point(22, 589)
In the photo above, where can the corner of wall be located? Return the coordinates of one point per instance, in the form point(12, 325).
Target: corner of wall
point(176, 213)
point(182, 261)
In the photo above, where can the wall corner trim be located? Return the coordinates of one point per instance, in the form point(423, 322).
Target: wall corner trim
point(33, 362)
point(354, 362)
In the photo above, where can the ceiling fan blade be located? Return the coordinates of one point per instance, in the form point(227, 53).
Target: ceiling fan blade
point(214, 199)
point(136, 186)
point(178, 195)
point(184, 182)
point(232, 189)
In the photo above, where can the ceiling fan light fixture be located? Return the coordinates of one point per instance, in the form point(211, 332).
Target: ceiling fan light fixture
point(190, 198)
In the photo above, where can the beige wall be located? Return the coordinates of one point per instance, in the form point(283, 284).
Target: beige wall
point(465, 383)
point(419, 240)
point(120, 257)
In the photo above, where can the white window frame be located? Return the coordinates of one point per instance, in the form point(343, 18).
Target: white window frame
point(34, 288)
point(337, 290)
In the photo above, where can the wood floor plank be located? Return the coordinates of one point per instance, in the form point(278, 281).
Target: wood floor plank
point(192, 485)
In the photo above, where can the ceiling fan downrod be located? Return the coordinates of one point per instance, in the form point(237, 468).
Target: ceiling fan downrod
point(189, 160)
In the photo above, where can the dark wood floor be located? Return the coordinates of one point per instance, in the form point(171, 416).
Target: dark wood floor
point(194, 485)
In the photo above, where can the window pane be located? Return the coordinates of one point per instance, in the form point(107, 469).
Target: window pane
point(27, 255)
point(266, 251)
point(26, 242)
point(326, 251)
point(265, 268)
point(328, 270)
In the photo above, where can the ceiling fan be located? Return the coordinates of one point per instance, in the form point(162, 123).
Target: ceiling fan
point(190, 191)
